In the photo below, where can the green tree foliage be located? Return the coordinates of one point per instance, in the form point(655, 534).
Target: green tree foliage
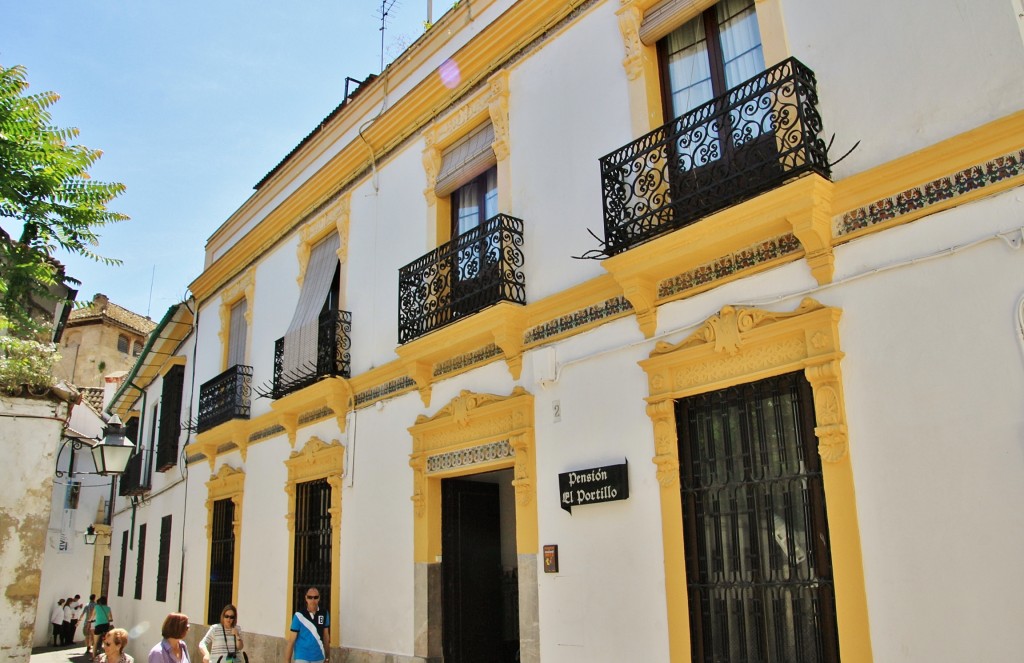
point(25, 363)
point(48, 203)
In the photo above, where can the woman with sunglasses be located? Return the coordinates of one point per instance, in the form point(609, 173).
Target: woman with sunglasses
point(223, 642)
point(114, 642)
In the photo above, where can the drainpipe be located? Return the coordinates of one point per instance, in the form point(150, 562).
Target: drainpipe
point(188, 437)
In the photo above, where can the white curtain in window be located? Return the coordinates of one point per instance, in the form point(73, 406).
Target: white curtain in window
point(236, 334)
point(301, 338)
point(741, 41)
point(466, 159)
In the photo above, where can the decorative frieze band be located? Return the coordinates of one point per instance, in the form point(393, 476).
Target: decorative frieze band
point(484, 453)
point(931, 193)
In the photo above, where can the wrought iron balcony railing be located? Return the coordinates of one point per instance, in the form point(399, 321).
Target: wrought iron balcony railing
point(225, 397)
point(137, 477)
point(475, 270)
point(734, 147)
point(333, 356)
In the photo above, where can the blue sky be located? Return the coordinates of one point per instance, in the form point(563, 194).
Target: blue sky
point(192, 103)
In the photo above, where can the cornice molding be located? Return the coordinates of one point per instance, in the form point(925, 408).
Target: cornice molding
point(802, 207)
point(502, 324)
point(517, 27)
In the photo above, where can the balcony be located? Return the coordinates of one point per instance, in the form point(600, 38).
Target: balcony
point(752, 139)
point(137, 476)
point(477, 269)
point(225, 397)
point(332, 356)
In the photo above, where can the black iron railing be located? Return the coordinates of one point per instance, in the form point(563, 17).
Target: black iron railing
point(227, 396)
point(475, 270)
point(748, 141)
point(333, 356)
point(136, 478)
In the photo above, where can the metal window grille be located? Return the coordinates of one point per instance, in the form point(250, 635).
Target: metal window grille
point(163, 559)
point(758, 561)
point(313, 537)
point(105, 577)
point(222, 559)
point(140, 562)
point(123, 563)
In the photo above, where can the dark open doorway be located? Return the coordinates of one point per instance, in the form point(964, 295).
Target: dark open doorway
point(478, 568)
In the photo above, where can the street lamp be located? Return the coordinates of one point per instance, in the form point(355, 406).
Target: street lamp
point(112, 453)
point(90, 536)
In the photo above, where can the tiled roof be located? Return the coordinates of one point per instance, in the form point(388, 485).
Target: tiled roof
point(101, 307)
point(93, 396)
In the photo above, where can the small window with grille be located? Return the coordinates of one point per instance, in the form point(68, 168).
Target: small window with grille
point(758, 559)
point(313, 538)
point(122, 343)
point(222, 559)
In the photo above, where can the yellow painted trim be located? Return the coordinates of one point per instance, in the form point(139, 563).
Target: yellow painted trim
point(333, 219)
point(641, 61)
point(333, 392)
point(227, 483)
point(490, 102)
point(100, 550)
point(936, 161)
point(803, 207)
point(317, 460)
point(523, 22)
point(171, 362)
point(470, 420)
point(501, 324)
point(738, 346)
point(243, 288)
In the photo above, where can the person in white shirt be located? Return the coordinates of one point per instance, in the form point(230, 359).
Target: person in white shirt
point(57, 621)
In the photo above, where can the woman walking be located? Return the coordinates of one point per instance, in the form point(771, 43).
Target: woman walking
point(172, 649)
point(223, 642)
point(104, 622)
point(114, 642)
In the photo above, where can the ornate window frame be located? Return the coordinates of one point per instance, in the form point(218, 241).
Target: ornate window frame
point(243, 288)
point(641, 61)
point(334, 218)
point(736, 346)
point(472, 434)
point(227, 483)
point(317, 460)
point(490, 102)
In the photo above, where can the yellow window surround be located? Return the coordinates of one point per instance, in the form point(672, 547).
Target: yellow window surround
point(743, 345)
point(333, 219)
point(468, 423)
point(641, 61)
point(243, 288)
point(227, 483)
point(317, 460)
point(488, 103)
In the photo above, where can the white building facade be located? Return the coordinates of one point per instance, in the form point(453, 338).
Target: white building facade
point(773, 418)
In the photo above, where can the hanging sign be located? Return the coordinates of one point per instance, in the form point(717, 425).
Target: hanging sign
point(599, 484)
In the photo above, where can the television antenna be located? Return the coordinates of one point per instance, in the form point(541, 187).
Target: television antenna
point(386, 6)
